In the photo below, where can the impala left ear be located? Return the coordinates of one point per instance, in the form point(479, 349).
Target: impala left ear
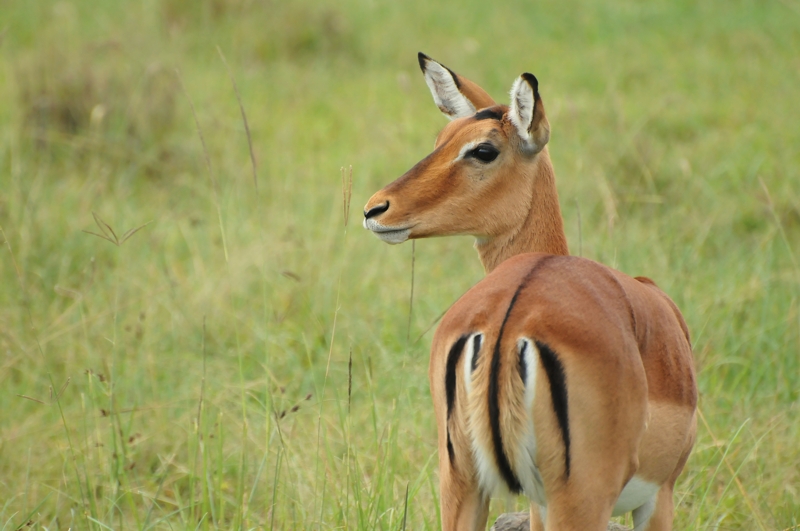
point(456, 96)
point(527, 113)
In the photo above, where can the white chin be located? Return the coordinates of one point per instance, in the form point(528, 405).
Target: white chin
point(394, 236)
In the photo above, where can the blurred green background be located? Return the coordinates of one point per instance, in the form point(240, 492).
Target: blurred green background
point(247, 361)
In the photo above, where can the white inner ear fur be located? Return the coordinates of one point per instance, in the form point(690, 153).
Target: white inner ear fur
point(448, 98)
point(521, 110)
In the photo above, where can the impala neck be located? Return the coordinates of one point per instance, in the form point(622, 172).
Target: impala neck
point(542, 231)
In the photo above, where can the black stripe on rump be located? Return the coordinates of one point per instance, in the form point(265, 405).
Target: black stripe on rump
point(476, 350)
point(494, 395)
point(451, 453)
point(450, 373)
point(523, 368)
point(558, 393)
point(450, 383)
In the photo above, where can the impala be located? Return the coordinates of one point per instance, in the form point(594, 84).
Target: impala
point(554, 377)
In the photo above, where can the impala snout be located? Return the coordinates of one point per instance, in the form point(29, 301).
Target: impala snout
point(392, 234)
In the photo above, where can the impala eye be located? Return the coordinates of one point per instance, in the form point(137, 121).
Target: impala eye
point(484, 152)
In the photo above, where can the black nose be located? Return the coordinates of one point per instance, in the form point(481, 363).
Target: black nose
point(374, 211)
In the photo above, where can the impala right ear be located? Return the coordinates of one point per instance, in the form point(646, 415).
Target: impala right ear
point(456, 96)
point(527, 113)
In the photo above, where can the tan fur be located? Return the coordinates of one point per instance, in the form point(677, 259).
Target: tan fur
point(622, 343)
point(602, 325)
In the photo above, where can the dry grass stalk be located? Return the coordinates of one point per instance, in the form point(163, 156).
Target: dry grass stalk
point(411, 297)
point(199, 132)
point(349, 379)
point(748, 501)
point(214, 183)
point(430, 326)
point(244, 119)
point(347, 193)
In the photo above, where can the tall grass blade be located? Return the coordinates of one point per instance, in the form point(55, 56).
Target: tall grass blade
point(405, 510)
point(24, 521)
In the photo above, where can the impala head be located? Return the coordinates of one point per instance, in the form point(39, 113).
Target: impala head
point(478, 179)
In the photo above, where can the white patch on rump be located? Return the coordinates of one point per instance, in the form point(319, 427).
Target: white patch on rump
point(471, 352)
point(524, 450)
point(488, 475)
point(482, 450)
point(526, 348)
point(526, 469)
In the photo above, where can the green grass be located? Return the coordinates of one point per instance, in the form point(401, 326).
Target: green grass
point(206, 362)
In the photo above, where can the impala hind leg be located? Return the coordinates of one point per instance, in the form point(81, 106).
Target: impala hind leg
point(537, 517)
point(464, 507)
point(574, 515)
point(656, 515)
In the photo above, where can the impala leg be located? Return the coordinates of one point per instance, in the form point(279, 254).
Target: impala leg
point(577, 514)
point(657, 514)
point(464, 507)
point(601, 462)
point(537, 517)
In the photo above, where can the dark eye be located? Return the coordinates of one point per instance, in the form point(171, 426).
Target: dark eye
point(484, 152)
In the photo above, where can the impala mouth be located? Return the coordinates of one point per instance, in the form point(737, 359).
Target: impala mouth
point(390, 235)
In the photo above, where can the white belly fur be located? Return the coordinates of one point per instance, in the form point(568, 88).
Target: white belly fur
point(635, 494)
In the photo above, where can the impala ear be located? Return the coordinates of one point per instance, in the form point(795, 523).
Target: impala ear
point(456, 96)
point(527, 113)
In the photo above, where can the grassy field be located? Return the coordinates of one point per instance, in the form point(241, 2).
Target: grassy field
point(245, 360)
